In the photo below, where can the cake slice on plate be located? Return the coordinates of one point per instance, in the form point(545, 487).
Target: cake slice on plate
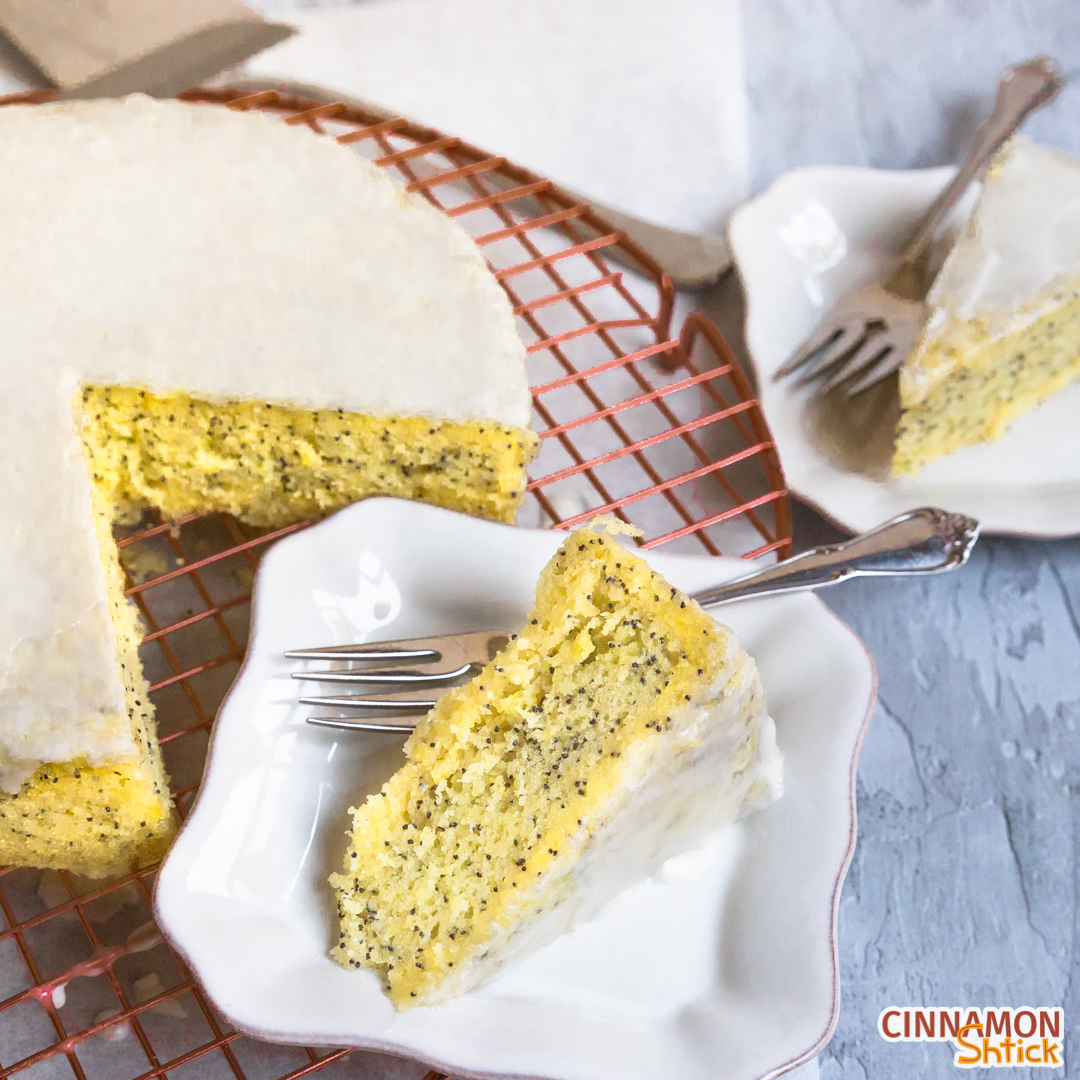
point(1003, 332)
point(619, 728)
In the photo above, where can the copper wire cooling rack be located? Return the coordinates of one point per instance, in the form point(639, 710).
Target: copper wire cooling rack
point(661, 430)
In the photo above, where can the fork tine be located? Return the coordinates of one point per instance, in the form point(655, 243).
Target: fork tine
point(823, 340)
point(370, 723)
point(407, 677)
point(454, 656)
point(413, 701)
point(885, 366)
point(416, 649)
point(822, 366)
point(485, 643)
point(866, 356)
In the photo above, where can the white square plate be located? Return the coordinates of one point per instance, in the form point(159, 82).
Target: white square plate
point(721, 966)
point(810, 237)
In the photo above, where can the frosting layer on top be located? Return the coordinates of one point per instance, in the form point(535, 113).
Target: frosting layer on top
point(178, 247)
point(1023, 237)
point(190, 247)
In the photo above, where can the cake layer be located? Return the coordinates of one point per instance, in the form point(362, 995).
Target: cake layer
point(210, 258)
point(98, 819)
point(272, 465)
point(1003, 331)
point(992, 380)
point(620, 727)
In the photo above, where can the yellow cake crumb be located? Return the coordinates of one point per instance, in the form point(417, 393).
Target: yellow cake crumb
point(509, 778)
point(272, 465)
point(969, 384)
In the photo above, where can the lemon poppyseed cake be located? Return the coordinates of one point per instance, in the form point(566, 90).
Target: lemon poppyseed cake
point(620, 727)
point(205, 310)
point(1003, 332)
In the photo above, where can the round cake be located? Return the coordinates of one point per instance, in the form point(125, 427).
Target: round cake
point(204, 310)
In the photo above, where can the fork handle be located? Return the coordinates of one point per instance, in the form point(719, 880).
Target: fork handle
point(1023, 88)
point(925, 541)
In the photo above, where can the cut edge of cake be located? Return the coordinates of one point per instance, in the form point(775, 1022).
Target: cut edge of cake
point(273, 465)
point(107, 818)
point(1003, 330)
point(646, 786)
point(604, 865)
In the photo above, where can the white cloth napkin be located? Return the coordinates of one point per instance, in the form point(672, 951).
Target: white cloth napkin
point(632, 103)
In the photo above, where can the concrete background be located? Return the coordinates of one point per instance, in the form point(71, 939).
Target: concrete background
point(964, 882)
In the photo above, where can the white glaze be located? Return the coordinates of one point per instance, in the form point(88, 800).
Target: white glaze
point(1022, 238)
point(1021, 243)
point(191, 248)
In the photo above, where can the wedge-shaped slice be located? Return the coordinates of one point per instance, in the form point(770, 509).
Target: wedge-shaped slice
point(620, 727)
point(1004, 327)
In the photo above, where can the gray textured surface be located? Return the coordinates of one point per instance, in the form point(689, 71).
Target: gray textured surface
point(895, 84)
point(963, 886)
point(964, 882)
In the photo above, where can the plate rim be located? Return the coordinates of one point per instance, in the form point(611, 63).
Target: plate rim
point(736, 222)
point(395, 1049)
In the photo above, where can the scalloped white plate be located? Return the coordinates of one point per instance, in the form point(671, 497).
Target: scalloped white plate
point(722, 967)
point(817, 232)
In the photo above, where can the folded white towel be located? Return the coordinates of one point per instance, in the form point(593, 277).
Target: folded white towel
point(632, 103)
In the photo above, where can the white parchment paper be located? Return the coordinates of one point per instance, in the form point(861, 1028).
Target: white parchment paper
point(635, 104)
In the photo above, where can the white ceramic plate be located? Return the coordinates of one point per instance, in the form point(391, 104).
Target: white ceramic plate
point(721, 966)
point(812, 235)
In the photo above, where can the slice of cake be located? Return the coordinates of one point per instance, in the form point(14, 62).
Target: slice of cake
point(1003, 332)
point(620, 727)
point(205, 310)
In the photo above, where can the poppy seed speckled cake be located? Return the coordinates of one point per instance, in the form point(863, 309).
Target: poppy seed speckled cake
point(620, 727)
point(205, 310)
point(1003, 330)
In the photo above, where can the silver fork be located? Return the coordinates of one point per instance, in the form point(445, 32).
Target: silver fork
point(869, 331)
point(925, 541)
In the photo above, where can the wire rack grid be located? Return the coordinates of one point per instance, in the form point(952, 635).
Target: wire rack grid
point(662, 431)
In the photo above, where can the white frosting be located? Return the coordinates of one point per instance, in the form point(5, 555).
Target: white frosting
point(669, 802)
point(1023, 237)
point(191, 248)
